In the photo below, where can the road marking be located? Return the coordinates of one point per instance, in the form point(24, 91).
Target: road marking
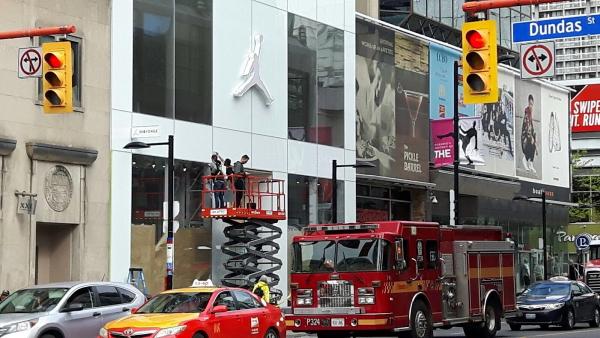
point(559, 333)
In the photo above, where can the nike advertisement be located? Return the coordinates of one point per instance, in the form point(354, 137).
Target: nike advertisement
point(529, 135)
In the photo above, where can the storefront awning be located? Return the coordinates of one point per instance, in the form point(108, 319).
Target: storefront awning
point(399, 181)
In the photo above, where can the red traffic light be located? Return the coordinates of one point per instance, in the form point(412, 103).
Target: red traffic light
point(53, 60)
point(475, 39)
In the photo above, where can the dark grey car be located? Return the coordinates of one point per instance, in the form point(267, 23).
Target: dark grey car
point(66, 310)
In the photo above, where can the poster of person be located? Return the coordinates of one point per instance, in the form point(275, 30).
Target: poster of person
point(555, 108)
point(412, 107)
point(497, 129)
point(528, 136)
point(469, 142)
point(375, 99)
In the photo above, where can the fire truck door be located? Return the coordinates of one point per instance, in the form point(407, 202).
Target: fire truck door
point(401, 288)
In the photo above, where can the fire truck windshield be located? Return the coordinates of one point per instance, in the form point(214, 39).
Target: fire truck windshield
point(343, 255)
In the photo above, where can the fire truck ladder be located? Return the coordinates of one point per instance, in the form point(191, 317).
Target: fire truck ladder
point(251, 249)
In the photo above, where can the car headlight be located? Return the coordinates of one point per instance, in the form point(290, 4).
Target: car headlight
point(103, 333)
point(171, 331)
point(553, 306)
point(18, 327)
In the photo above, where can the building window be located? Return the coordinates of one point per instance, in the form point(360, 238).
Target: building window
point(76, 81)
point(309, 200)
point(382, 203)
point(315, 82)
point(172, 59)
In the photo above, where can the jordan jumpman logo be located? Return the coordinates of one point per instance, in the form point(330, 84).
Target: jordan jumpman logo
point(252, 73)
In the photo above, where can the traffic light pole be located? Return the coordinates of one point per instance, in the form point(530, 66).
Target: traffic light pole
point(456, 149)
point(40, 31)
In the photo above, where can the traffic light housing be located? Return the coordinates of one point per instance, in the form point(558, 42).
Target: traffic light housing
point(480, 62)
point(57, 69)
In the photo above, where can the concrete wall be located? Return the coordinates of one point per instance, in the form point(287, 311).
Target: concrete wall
point(23, 120)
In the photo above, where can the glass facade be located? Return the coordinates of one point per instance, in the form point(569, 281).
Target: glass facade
point(315, 82)
point(309, 201)
point(376, 203)
point(585, 191)
point(172, 59)
point(450, 13)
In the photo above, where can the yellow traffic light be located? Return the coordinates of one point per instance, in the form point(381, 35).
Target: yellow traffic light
point(57, 71)
point(480, 62)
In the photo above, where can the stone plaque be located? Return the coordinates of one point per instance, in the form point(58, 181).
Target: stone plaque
point(58, 188)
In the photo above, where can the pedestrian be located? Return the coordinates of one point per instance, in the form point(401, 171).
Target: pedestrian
point(240, 179)
point(261, 288)
point(525, 274)
point(218, 181)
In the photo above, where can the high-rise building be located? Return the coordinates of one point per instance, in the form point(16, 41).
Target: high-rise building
point(577, 58)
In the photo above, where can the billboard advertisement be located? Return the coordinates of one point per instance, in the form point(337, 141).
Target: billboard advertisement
point(585, 109)
point(442, 142)
point(497, 129)
point(392, 103)
point(528, 121)
point(555, 137)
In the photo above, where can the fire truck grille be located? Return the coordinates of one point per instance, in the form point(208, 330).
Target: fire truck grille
point(336, 294)
point(593, 280)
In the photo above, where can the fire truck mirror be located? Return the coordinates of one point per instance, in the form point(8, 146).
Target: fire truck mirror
point(400, 259)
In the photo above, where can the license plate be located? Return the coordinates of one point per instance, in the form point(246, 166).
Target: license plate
point(337, 322)
point(313, 322)
point(530, 316)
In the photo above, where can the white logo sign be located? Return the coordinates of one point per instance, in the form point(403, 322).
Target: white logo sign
point(30, 62)
point(251, 73)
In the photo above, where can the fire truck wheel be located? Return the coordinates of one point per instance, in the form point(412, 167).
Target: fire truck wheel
point(420, 319)
point(515, 327)
point(489, 327)
point(595, 322)
point(568, 319)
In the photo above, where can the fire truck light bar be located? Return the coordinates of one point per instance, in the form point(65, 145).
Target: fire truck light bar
point(340, 228)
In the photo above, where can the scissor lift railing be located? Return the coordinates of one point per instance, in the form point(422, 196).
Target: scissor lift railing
point(252, 231)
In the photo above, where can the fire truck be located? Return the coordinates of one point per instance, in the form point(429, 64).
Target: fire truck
point(401, 278)
point(592, 266)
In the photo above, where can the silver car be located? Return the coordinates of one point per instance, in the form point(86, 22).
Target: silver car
point(66, 310)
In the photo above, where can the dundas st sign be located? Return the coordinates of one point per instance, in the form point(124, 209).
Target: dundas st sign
point(585, 110)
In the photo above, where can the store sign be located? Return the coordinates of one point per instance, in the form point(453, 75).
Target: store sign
point(564, 237)
point(585, 110)
point(146, 131)
point(251, 74)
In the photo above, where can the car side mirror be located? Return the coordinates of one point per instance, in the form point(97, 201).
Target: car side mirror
point(73, 307)
point(219, 309)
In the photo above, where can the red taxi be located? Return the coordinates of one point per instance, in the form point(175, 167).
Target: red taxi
point(200, 313)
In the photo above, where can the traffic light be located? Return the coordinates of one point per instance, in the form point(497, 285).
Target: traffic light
point(480, 62)
point(57, 77)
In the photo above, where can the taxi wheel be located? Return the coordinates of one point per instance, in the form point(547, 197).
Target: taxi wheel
point(199, 335)
point(271, 334)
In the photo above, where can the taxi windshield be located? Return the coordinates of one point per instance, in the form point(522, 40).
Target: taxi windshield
point(183, 302)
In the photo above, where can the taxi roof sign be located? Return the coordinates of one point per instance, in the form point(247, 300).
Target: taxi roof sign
point(202, 283)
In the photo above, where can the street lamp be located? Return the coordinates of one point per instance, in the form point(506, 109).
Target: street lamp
point(334, 196)
point(525, 198)
point(170, 201)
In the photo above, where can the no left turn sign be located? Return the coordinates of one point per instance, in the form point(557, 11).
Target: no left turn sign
point(30, 62)
point(537, 60)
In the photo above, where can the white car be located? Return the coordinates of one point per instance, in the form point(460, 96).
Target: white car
point(66, 310)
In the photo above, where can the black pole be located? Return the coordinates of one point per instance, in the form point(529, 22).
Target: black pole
point(334, 196)
point(170, 202)
point(544, 235)
point(456, 150)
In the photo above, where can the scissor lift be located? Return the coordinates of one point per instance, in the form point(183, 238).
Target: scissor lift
point(252, 231)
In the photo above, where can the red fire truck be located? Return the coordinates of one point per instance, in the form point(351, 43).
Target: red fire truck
point(394, 278)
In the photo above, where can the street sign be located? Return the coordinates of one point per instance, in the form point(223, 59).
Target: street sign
point(582, 241)
point(537, 60)
point(30, 62)
point(556, 28)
